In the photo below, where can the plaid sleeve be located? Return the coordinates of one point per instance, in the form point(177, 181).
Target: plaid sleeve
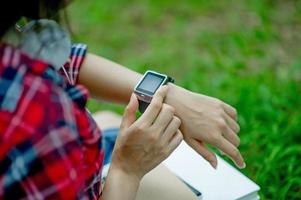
point(71, 69)
point(49, 146)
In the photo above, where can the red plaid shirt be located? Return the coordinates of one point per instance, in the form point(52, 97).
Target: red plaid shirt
point(49, 145)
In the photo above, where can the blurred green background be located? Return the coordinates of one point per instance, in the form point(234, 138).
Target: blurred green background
point(247, 53)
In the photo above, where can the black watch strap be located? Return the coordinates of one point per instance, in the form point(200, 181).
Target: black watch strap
point(170, 80)
point(142, 106)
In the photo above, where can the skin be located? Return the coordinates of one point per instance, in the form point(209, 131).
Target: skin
point(141, 145)
point(160, 182)
point(204, 120)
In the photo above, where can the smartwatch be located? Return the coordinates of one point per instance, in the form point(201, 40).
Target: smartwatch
point(147, 87)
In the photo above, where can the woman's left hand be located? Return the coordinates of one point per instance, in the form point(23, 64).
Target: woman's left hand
point(207, 120)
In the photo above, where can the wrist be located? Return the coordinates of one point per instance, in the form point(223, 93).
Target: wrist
point(120, 185)
point(133, 177)
point(176, 97)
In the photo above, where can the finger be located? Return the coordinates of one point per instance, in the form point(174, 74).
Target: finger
point(154, 107)
point(232, 123)
point(230, 111)
point(232, 152)
point(129, 115)
point(231, 136)
point(164, 118)
point(175, 142)
point(171, 130)
point(201, 149)
point(222, 153)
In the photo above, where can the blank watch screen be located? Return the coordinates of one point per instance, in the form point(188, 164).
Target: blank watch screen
point(150, 83)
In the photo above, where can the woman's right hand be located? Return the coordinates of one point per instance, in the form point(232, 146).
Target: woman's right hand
point(143, 144)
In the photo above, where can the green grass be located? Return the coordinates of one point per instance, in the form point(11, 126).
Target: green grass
point(246, 53)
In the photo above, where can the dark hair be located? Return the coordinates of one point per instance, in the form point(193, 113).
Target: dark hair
point(13, 10)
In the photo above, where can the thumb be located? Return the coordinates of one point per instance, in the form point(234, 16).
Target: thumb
point(129, 116)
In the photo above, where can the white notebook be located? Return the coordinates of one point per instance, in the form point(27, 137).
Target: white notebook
point(224, 183)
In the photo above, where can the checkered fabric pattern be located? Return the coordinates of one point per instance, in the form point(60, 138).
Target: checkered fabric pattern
point(50, 148)
point(70, 70)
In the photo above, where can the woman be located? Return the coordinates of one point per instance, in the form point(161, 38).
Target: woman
point(51, 147)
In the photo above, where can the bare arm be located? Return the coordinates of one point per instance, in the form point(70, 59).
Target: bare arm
point(107, 80)
point(120, 185)
point(205, 120)
point(141, 145)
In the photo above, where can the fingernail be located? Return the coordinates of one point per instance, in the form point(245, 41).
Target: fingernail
point(243, 166)
point(214, 164)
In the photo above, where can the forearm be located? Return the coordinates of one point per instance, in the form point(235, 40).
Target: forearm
point(120, 185)
point(107, 80)
point(200, 114)
point(113, 82)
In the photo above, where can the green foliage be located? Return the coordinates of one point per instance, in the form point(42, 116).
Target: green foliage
point(246, 53)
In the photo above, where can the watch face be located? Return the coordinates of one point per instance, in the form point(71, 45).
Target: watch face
point(150, 83)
